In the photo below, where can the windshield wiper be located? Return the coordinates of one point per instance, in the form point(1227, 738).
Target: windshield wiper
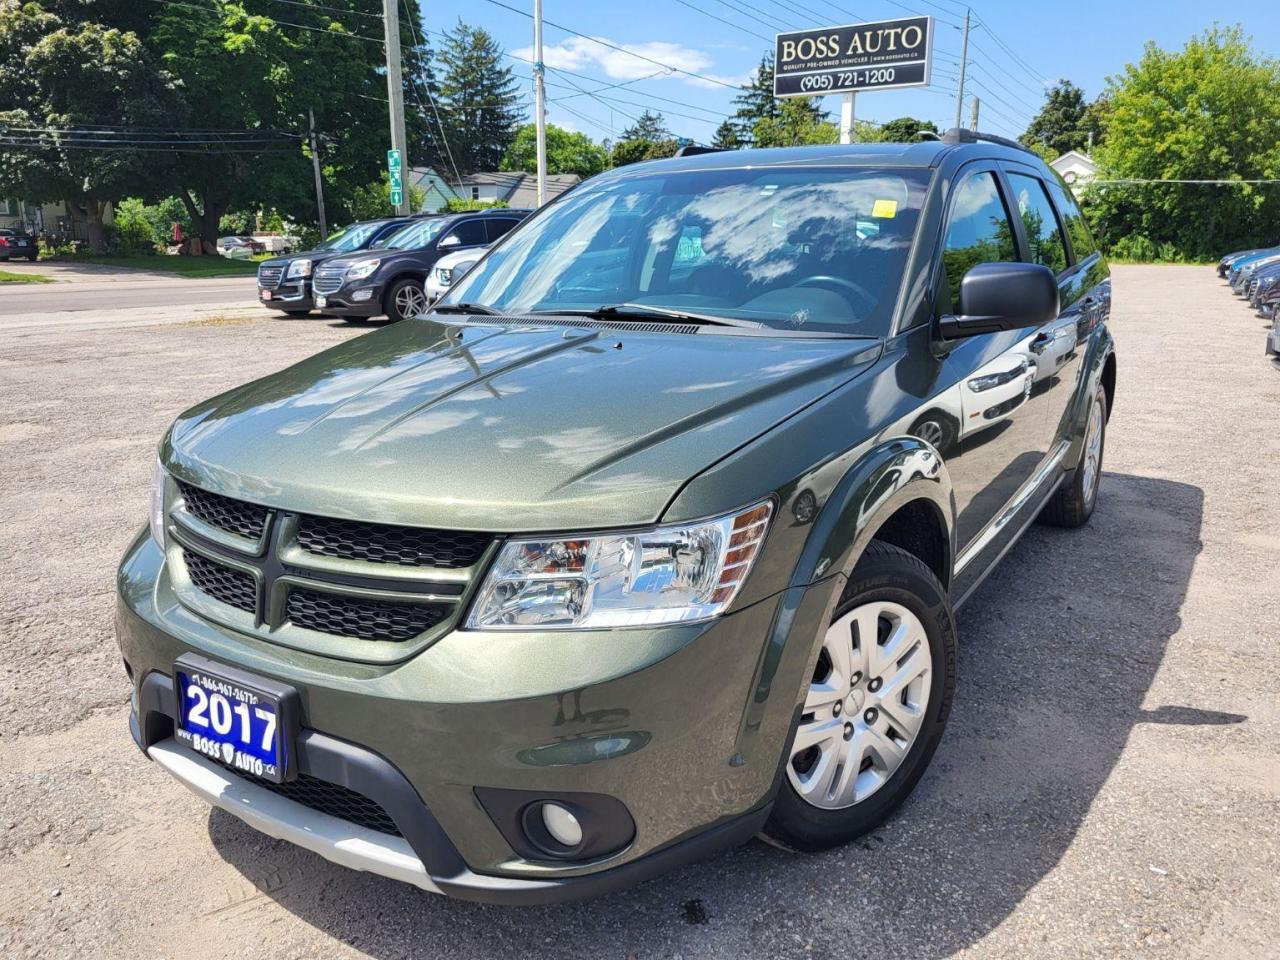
point(644, 311)
point(472, 308)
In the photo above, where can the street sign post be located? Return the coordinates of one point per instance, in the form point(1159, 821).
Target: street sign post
point(885, 55)
point(394, 178)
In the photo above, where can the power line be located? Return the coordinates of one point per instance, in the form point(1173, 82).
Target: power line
point(444, 137)
point(729, 23)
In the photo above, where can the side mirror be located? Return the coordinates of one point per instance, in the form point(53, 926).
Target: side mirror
point(450, 241)
point(1003, 296)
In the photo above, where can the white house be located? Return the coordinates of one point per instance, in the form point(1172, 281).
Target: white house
point(1076, 168)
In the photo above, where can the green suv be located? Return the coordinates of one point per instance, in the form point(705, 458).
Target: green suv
point(646, 540)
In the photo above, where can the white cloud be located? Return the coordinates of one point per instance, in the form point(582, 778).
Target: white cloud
point(582, 53)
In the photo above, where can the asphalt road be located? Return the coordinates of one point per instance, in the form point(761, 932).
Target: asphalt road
point(1109, 785)
point(101, 296)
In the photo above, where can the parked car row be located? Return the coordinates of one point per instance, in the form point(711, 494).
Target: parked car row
point(382, 268)
point(1255, 276)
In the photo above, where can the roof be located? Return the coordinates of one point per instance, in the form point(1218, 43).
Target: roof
point(1078, 157)
point(519, 188)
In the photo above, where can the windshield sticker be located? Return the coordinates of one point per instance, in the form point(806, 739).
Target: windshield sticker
point(885, 209)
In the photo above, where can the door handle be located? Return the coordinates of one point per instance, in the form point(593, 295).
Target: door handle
point(1041, 342)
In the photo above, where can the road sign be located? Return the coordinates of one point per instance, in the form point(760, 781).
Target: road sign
point(884, 55)
point(393, 160)
point(397, 196)
point(394, 177)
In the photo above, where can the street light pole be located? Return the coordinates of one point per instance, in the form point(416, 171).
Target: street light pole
point(964, 60)
point(540, 102)
point(848, 105)
point(315, 166)
point(395, 90)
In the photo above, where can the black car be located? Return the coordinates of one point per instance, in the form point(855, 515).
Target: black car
point(284, 283)
point(15, 244)
point(386, 279)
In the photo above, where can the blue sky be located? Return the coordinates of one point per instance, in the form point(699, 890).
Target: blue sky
point(1084, 41)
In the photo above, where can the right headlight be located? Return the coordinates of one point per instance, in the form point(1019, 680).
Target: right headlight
point(670, 574)
point(158, 477)
point(363, 269)
point(299, 268)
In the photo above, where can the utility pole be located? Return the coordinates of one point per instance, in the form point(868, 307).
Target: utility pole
point(315, 166)
point(847, 106)
point(539, 102)
point(395, 90)
point(973, 116)
point(964, 60)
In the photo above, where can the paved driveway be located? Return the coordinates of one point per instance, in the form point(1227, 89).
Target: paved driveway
point(1109, 785)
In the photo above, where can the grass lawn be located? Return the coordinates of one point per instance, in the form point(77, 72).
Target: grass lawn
point(184, 266)
point(8, 276)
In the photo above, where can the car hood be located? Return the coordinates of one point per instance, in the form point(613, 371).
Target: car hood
point(316, 256)
point(504, 428)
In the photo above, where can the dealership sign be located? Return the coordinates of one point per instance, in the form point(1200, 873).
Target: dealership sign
point(863, 56)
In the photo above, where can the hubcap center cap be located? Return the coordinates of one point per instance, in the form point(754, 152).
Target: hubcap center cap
point(854, 701)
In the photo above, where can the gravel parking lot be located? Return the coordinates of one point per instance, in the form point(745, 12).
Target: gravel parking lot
point(1109, 785)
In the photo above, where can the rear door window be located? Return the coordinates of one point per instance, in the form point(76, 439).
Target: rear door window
point(979, 230)
point(1040, 222)
point(499, 227)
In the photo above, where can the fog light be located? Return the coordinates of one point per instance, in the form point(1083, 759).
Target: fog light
point(362, 295)
point(561, 824)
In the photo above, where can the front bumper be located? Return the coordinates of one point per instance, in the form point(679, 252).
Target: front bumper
point(675, 724)
point(289, 295)
point(1273, 339)
point(343, 302)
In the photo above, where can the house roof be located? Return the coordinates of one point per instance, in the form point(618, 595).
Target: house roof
point(518, 188)
point(1074, 156)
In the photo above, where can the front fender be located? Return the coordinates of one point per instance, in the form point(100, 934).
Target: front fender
point(889, 476)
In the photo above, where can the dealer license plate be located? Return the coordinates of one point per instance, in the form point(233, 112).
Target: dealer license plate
point(264, 294)
point(235, 718)
point(321, 300)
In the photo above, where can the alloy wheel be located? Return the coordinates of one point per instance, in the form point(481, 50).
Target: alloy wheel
point(410, 301)
point(865, 706)
point(1092, 451)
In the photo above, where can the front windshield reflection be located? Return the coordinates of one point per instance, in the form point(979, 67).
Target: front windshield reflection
point(412, 236)
point(815, 249)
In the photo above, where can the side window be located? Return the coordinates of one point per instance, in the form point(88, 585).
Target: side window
point(499, 227)
point(1041, 223)
point(1081, 240)
point(470, 233)
point(979, 231)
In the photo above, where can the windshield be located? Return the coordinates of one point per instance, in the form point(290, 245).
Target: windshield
point(352, 238)
point(818, 249)
point(412, 236)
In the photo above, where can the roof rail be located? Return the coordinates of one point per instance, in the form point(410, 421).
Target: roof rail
point(693, 150)
point(960, 135)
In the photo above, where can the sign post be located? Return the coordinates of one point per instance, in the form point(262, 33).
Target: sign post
point(395, 179)
point(885, 55)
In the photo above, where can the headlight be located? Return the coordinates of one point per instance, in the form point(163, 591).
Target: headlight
point(671, 574)
point(299, 268)
point(362, 270)
point(157, 503)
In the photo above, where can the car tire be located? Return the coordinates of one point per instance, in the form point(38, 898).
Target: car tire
point(907, 604)
point(32, 257)
point(1073, 502)
point(400, 296)
point(938, 428)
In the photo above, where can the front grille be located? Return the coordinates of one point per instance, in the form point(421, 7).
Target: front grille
point(234, 516)
point(221, 582)
point(347, 616)
point(383, 543)
point(331, 798)
point(328, 279)
point(269, 275)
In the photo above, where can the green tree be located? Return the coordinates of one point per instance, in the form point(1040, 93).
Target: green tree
point(1209, 111)
point(373, 200)
point(756, 102)
point(904, 130)
point(726, 136)
point(646, 139)
point(57, 77)
point(1060, 124)
point(479, 94)
point(650, 127)
point(567, 152)
point(794, 126)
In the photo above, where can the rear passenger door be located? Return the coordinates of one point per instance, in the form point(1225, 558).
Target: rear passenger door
point(499, 227)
